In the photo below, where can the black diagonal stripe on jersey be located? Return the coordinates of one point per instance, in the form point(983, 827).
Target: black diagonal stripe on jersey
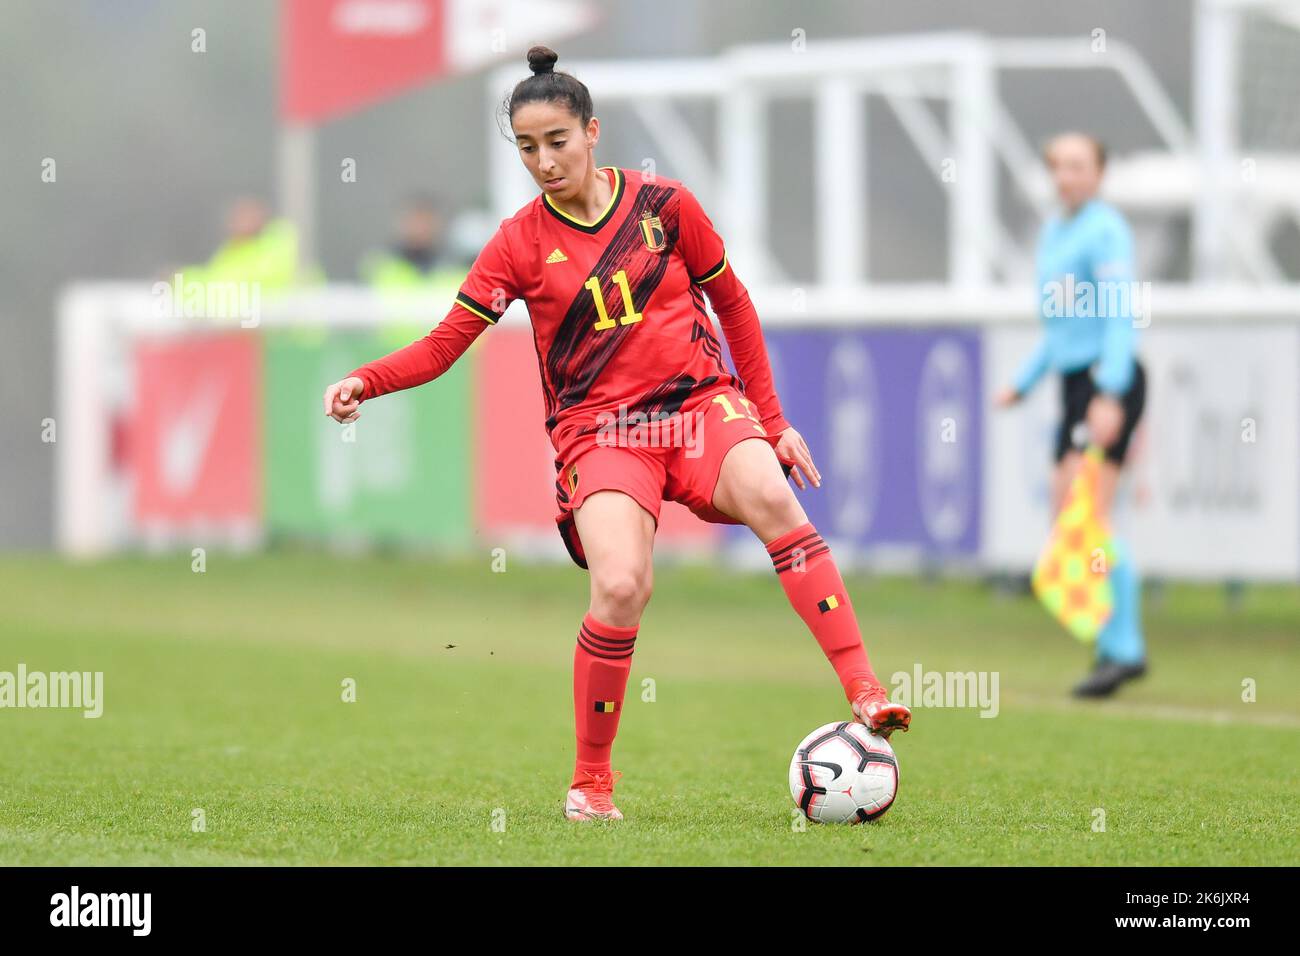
point(715, 353)
point(702, 331)
point(662, 401)
point(548, 393)
point(666, 398)
point(577, 356)
point(697, 298)
point(708, 343)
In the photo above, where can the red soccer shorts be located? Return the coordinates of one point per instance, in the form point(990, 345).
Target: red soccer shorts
point(676, 459)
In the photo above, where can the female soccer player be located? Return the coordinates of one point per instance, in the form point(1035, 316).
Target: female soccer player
point(1085, 255)
point(614, 268)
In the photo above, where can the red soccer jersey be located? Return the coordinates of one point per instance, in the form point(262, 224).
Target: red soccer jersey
point(616, 306)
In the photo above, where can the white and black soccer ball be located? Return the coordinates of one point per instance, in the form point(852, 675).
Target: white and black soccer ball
point(843, 773)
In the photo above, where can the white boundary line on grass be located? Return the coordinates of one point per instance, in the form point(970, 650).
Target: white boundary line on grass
point(1121, 707)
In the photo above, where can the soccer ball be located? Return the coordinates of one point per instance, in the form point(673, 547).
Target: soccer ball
point(843, 773)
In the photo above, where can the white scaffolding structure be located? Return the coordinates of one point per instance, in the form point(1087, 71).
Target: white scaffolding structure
point(1195, 169)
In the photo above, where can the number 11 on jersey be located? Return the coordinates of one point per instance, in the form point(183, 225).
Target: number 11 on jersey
point(630, 314)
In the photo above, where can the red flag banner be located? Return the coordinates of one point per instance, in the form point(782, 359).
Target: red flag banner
point(341, 55)
point(337, 56)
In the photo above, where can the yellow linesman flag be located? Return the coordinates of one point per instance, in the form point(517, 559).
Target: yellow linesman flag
point(1071, 577)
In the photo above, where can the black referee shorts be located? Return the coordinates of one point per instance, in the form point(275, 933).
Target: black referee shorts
point(1077, 390)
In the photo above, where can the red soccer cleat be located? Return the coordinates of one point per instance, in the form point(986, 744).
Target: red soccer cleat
point(871, 706)
point(590, 797)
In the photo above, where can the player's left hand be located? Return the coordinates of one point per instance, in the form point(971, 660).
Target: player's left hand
point(343, 398)
point(791, 449)
point(1105, 419)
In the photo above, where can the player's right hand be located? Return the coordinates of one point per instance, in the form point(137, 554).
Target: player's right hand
point(342, 399)
point(1006, 397)
point(792, 450)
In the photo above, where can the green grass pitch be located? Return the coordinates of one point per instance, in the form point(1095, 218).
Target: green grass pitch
point(223, 694)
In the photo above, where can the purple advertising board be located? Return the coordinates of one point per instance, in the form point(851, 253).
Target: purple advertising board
point(893, 420)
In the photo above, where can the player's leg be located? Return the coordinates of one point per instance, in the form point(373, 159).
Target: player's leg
point(617, 537)
point(752, 488)
point(1107, 483)
point(1121, 648)
point(1077, 390)
point(1063, 473)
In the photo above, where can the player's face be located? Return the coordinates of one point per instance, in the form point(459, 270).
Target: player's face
point(555, 147)
point(1075, 170)
point(246, 219)
point(419, 228)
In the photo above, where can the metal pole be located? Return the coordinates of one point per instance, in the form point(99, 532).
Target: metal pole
point(742, 146)
point(1214, 80)
point(296, 189)
point(841, 183)
point(973, 193)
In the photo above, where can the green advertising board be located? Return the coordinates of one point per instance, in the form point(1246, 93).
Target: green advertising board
point(399, 475)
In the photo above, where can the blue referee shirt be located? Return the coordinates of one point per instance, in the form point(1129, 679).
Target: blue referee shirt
point(1090, 303)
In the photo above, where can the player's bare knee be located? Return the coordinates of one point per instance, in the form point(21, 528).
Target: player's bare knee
point(624, 590)
point(773, 503)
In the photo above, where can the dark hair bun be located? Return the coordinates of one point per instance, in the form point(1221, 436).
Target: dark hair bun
point(541, 59)
point(545, 85)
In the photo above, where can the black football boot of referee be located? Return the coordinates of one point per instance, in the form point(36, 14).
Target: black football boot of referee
point(1107, 676)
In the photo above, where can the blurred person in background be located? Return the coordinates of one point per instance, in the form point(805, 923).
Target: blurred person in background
point(415, 261)
point(1087, 250)
point(257, 249)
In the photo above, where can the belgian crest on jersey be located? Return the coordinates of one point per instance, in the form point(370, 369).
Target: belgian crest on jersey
point(652, 232)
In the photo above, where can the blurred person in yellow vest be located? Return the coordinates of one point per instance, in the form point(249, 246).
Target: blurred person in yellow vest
point(416, 262)
point(258, 249)
point(258, 261)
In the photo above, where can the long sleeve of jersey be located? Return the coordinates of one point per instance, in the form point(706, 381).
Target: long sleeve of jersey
point(1033, 368)
point(483, 298)
point(1112, 268)
point(706, 259)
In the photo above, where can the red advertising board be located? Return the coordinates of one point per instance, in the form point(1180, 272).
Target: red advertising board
point(195, 433)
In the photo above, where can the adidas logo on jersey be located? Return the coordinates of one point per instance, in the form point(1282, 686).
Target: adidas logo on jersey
point(556, 256)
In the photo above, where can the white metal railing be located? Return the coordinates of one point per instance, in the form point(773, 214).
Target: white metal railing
point(981, 133)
